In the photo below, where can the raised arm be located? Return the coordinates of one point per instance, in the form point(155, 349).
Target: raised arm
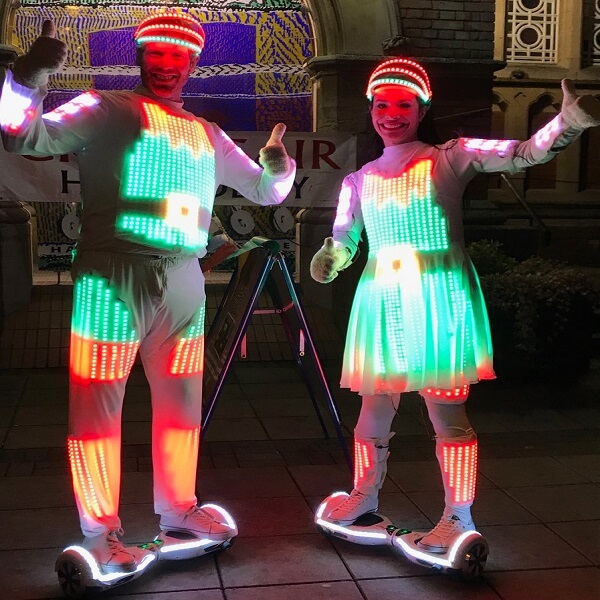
point(577, 114)
point(265, 186)
point(46, 56)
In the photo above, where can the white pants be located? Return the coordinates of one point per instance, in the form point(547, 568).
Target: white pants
point(125, 304)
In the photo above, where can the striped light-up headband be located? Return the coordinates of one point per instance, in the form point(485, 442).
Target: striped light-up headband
point(172, 28)
point(403, 72)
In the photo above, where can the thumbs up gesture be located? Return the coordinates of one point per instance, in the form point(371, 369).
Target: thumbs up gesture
point(273, 156)
point(580, 112)
point(46, 56)
point(326, 263)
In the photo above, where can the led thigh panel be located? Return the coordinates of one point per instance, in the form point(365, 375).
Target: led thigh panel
point(189, 353)
point(459, 393)
point(104, 342)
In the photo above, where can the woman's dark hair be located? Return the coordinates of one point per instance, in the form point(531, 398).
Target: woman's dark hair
point(427, 132)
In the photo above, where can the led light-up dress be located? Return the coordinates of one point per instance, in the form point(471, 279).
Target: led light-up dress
point(149, 172)
point(418, 318)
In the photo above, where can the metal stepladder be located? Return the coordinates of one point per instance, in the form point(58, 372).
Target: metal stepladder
point(264, 267)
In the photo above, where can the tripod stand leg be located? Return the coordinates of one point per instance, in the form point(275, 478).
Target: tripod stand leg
point(314, 355)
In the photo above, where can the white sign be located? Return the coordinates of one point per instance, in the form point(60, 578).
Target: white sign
point(322, 161)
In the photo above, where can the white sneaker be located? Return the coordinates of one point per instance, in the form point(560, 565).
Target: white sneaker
point(354, 506)
point(111, 554)
point(441, 537)
point(198, 522)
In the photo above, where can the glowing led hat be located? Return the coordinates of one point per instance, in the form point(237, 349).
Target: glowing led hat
point(173, 28)
point(404, 72)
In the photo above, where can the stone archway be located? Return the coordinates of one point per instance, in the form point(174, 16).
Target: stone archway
point(352, 27)
point(349, 39)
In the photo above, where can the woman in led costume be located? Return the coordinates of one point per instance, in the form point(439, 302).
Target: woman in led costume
point(149, 172)
point(418, 321)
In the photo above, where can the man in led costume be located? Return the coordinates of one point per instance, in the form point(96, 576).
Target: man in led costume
point(149, 172)
point(418, 321)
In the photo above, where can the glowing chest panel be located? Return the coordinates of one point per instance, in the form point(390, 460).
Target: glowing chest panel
point(401, 210)
point(168, 182)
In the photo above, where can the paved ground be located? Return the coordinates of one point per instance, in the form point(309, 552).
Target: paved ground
point(266, 459)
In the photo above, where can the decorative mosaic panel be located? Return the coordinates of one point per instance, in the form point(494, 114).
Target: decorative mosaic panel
point(212, 4)
point(249, 76)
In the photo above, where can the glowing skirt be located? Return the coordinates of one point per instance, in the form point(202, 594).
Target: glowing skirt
point(417, 321)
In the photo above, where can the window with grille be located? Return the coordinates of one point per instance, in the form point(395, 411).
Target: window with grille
point(590, 51)
point(531, 30)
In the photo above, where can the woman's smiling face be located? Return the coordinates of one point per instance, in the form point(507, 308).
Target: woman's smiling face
point(396, 114)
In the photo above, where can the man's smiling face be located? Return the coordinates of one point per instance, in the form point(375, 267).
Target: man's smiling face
point(165, 68)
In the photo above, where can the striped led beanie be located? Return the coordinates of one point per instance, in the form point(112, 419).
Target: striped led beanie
point(173, 28)
point(403, 72)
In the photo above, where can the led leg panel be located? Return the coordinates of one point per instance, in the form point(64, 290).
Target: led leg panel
point(96, 472)
point(175, 457)
point(458, 461)
point(370, 462)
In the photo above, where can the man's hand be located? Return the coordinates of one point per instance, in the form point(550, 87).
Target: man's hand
point(46, 56)
point(580, 112)
point(274, 157)
point(327, 261)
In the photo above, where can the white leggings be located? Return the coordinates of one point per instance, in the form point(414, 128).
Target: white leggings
point(449, 419)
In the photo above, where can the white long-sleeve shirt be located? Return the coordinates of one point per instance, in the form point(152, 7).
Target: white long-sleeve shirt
point(453, 165)
point(149, 169)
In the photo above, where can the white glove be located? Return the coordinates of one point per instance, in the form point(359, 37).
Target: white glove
point(326, 263)
point(46, 56)
point(580, 112)
point(273, 156)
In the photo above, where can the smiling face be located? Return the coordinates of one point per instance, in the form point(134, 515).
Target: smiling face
point(165, 68)
point(396, 114)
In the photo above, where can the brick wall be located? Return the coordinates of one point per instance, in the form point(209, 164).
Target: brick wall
point(449, 29)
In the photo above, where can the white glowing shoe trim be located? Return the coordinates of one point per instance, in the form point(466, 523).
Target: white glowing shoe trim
point(229, 520)
point(97, 574)
point(444, 562)
point(325, 503)
point(350, 532)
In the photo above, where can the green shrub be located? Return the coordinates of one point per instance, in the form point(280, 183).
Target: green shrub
point(488, 257)
point(541, 314)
